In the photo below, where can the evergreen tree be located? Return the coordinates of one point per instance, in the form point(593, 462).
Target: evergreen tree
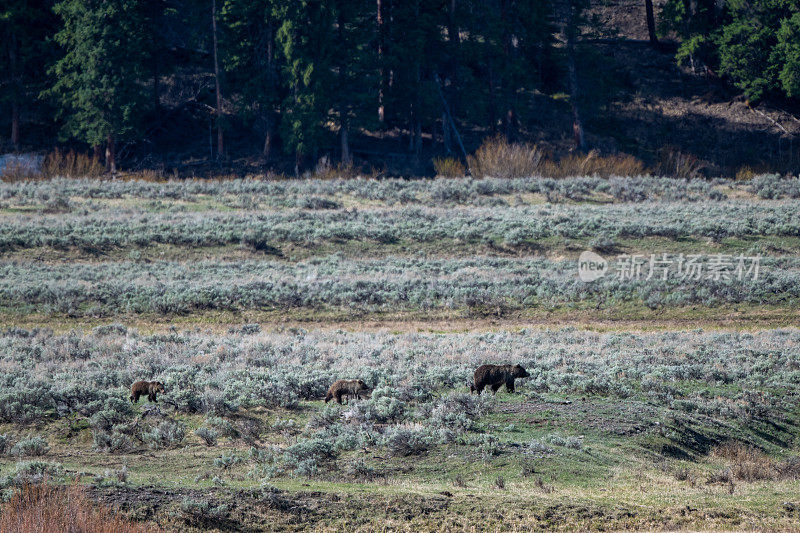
point(755, 42)
point(306, 40)
point(98, 78)
point(252, 62)
point(24, 49)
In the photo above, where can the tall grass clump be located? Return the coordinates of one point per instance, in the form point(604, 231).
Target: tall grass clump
point(43, 507)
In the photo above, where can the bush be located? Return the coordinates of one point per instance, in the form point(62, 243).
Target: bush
point(167, 434)
point(676, 164)
point(594, 164)
point(499, 159)
point(34, 471)
point(207, 435)
point(5, 444)
point(32, 446)
point(71, 164)
point(114, 441)
point(307, 456)
point(448, 167)
point(404, 442)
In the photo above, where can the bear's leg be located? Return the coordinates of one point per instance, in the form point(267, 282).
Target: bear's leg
point(339, 397)
point(510, 385)
point(134, 398)
point(496, 387)
point(479, 388)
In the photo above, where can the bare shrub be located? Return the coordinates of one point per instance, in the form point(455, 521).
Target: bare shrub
point(71, 164)
point(448, 167)
point(325, 170)
point(594, 164)
point(499, 159)
point(676, 164)
point(44, 507)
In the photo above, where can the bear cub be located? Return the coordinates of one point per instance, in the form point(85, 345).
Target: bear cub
point(496, 376)
point(150, 388)
point(346, 387)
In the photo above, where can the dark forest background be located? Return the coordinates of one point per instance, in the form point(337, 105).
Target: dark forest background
point(193, 86)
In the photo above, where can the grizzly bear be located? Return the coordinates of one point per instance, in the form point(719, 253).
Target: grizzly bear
point(140, 388)
point(346, 387)
point(497, 376)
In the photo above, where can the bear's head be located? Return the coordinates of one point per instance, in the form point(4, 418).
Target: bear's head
point(362, 387)
point(158, 386)
point(519, 372)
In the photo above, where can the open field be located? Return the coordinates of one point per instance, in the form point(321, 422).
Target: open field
point(652, 403)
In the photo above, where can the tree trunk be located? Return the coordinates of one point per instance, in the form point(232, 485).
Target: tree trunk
point(382, 70)
point(155, 53)
point(454, 40)
point(265, 153)
point(15, 90)
point(651, 23)
point(15, 124)
point(572, 73)
point(220, 147)
point(343, 108)
point(156, 86)
point(267, 114)
point(492, 106)
point(347, 159)
point(446, 138)
point(111, 154)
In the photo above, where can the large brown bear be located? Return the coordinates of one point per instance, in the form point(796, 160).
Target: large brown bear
point(497, 376)
point(140, 388)
point(348, 387)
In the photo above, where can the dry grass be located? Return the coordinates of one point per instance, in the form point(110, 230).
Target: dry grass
point(747, 463)
point(448, 167)
point(44, 508)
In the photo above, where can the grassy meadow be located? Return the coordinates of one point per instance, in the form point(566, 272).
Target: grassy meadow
point(652, 403)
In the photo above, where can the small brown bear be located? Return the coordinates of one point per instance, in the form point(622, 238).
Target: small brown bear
point(497, 376)
point(346, 387)
point(140, 388)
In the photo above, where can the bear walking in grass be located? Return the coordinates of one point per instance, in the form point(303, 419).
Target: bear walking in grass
point(346, 387)
point(150, 388)
point(496, 376)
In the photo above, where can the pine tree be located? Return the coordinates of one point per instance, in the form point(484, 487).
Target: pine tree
point(98, 78)
point(306, 40)
point(252, 62)
point(24, 48)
